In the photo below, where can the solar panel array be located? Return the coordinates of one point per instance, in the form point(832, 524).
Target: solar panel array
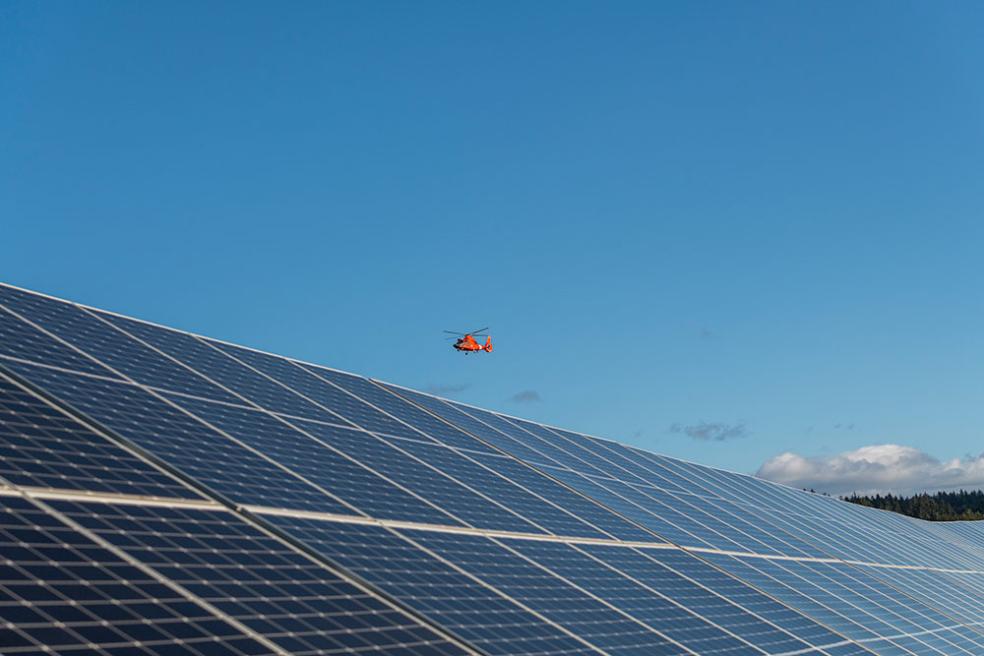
point(165, 493)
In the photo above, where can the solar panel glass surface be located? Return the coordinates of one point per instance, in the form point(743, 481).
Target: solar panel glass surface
point(356, 516)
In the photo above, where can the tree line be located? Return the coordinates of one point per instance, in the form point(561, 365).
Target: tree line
point(938, 507)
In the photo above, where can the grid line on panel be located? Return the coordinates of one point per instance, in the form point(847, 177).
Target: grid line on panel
point(711, 550)
point(765, 580)
point(709, 528)
point(918, 595)
point(455, 598)
point(23, 340)
point(93, 556)
point(854, 605)
point(730, 603)
point(446, 492)
point(320, 438)
point(611, 451)
point(264, 510)
point(174, 443)
point(83, 331)
point(635, 598)
point(596, 521)
point(832, 618)
point(884, 605)
point(199, 355)
point(246, 400)
point(298, 380)
point(553, 596)
point(148, 390)
point(412, 395)
point(678, 520)
point(398, 408)
point(588, 510)
point(444, 528)
point(232, 353)
point(418, 453)
point(537, 467)
point(273, 586)
point(448, 413)
point(41, 446)
point(721, 519)
point(223, 353)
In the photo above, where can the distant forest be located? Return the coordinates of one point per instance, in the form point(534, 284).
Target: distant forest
point(939, 507)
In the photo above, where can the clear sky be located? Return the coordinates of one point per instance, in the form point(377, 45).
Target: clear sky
point(757, 222)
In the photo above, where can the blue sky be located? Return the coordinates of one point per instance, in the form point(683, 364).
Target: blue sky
point(755, 221)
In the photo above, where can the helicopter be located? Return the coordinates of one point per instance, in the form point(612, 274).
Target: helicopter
point(466, 343)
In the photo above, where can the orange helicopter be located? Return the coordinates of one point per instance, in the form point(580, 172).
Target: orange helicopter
point(466, 341)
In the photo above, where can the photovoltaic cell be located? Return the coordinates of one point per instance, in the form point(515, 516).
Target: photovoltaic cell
point(215, 365)
point(644, 603)
point(484, 432)
point(502, 490)
point(740, 609)
point(319, 462)
point(253, 578)
point(421, 479)
point(109, 346)
point(406, 412)
point(465, 606)
point(554, 598)
point(19, 339)
point(43, 447)
point(579, 505)
point(344, 406)
point(181, 441)
point(62, 592)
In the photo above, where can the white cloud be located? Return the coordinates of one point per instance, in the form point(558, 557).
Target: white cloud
point(878, 468)
point(711, 431)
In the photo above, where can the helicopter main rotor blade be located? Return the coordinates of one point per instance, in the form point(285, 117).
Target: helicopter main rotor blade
point(453, 332)
point(479, 331)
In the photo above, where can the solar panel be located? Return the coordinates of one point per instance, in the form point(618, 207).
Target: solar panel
point(443, 592)
point(61, 591)
point(292, 601)
point(41, 446)
point(165, 493)
point(224, 466)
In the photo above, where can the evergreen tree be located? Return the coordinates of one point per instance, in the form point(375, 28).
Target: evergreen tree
point(941, 506)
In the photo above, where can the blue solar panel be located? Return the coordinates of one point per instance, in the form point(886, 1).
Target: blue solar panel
point(20, 340)
point(100, 340)
point(421, 479)
point(726, 602)
point(220, 368)
point(469, 608)
point(62, 592)
point(644, 603)
point(397, 407)
point(302, 510)
point(532, 508)
point(319, 462)
point(270, 588)
point(466, 422)
point(345, 406)
point(210, 458)
point(561, 602)
point(43, 447)
point(580, 506)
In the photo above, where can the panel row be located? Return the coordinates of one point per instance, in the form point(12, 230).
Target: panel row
point(568, 477)
point(92, 578)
